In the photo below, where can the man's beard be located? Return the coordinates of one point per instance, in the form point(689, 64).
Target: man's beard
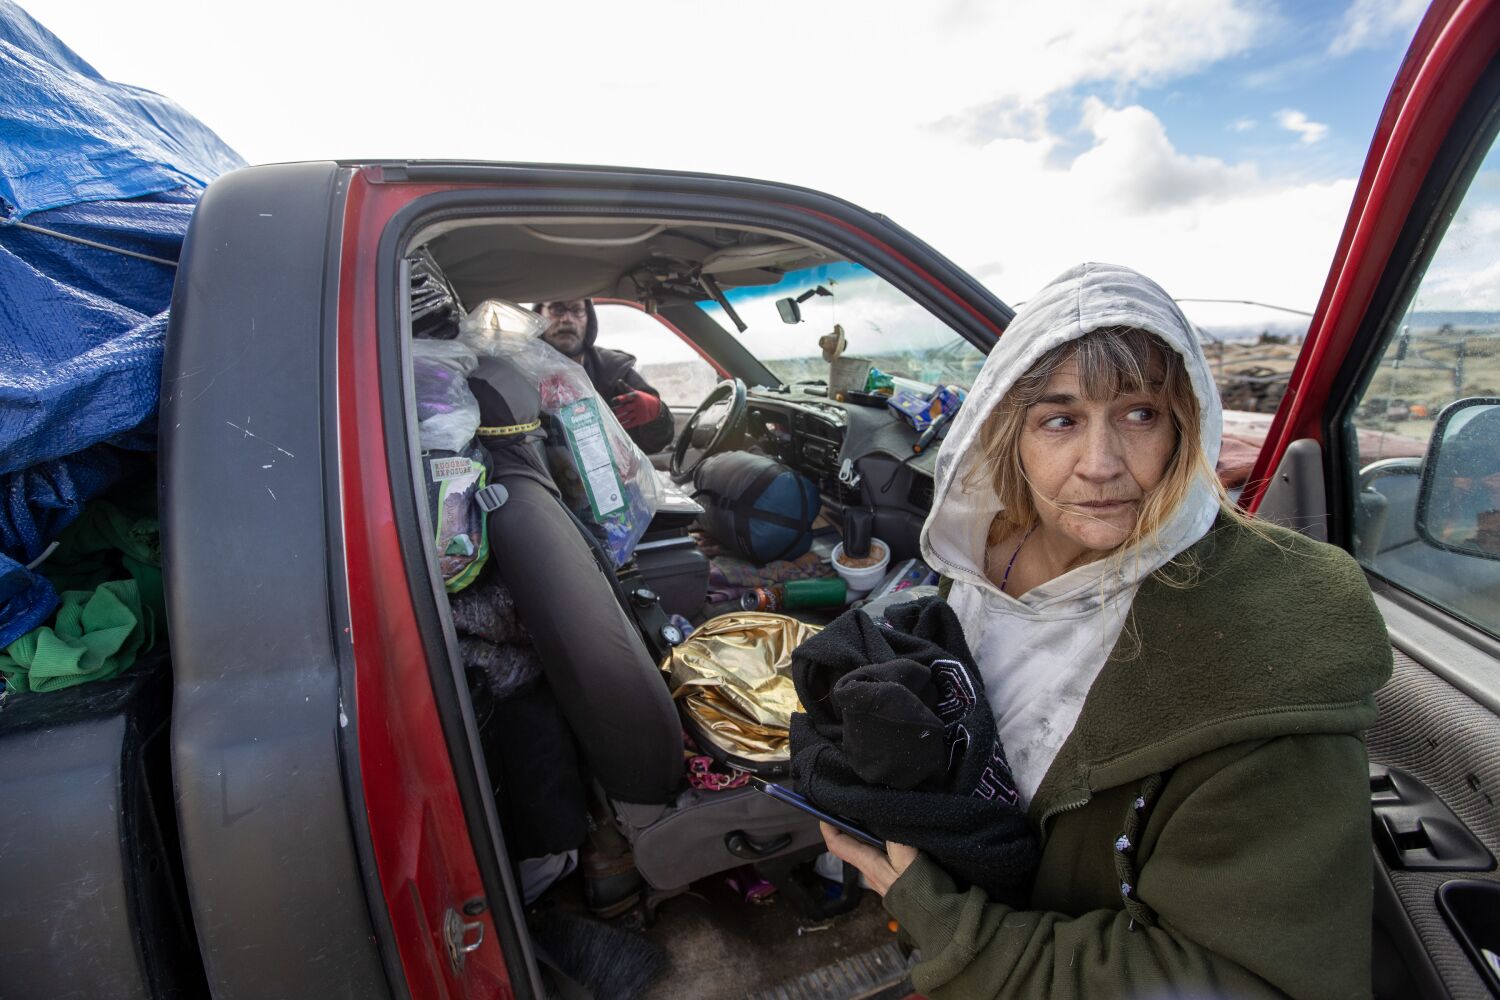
point(569, 341)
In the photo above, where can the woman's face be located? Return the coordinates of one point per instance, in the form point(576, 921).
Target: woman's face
point(1090, 463)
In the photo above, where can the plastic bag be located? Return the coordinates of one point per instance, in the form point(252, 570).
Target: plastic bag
point(496, 327)
point(447, 412)
point(607, 480)
point(435, 309)
point(460, 528)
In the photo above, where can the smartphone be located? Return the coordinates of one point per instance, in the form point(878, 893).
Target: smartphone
point(783, 794)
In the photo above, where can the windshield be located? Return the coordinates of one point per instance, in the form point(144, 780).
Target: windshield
point(882, 325)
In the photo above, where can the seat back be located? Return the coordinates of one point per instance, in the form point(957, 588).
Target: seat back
point(612, 694)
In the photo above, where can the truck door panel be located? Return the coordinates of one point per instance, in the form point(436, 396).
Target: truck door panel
point(1438, 722)
point(273, 870)
point(1409, 323)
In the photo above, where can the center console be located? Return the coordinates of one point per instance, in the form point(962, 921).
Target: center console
point(804, 433)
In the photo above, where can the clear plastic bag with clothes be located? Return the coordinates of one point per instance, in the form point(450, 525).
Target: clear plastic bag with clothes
point(447, 412)
point(604, 476)
point(435, 309)
point(497, 327)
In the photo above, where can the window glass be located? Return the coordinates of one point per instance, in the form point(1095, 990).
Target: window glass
point(1427, 505)
point(672, 367)
point(881, 324)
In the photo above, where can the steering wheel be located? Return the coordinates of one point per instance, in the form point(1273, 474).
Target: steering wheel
point(716, 422)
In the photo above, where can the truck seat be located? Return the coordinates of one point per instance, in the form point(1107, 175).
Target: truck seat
point(617, 703)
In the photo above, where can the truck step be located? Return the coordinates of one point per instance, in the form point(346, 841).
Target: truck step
point(879, 973)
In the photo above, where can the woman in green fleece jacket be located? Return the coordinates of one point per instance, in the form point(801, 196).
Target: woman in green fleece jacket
point(1181, 692)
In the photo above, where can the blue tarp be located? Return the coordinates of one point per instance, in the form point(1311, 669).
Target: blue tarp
point(81, 328)
point(69, 135)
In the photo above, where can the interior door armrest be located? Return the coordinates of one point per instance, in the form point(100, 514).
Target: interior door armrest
point(1415, 831)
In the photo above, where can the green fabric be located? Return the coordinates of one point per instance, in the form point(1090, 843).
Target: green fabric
point(103, 621)
point(106, 537)
point(1250, 690)
point(95, 635)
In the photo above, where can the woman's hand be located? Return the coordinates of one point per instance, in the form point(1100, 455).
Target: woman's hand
point(880, 868)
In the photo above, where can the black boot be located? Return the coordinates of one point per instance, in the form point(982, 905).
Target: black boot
point(611, 884)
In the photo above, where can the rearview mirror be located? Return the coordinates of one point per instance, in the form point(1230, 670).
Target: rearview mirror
point(1458, 502)
point(791, 309)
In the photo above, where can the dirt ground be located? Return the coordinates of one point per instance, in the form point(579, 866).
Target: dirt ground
point(1400, 404)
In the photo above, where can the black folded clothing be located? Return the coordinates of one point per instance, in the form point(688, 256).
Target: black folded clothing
point(897, 735)
point(892, 734)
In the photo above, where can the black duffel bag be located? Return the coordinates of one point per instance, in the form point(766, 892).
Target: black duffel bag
point(755, 506)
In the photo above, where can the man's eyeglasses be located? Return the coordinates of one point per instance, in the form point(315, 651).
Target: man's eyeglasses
point(558, 310)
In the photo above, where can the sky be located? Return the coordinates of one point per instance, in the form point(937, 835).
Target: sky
point(1212, 144)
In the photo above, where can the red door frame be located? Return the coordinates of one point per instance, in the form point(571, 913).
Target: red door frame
point(424, 856)
point(1456, 40)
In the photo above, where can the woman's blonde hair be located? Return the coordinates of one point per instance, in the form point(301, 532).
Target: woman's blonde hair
point(1110, 362)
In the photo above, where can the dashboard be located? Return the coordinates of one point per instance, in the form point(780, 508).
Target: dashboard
point(809, 434)
point(804, 434)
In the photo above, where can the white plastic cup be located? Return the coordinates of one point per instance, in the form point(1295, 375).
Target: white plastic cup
point(861, 580)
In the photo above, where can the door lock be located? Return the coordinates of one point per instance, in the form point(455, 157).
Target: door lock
point(461, 936)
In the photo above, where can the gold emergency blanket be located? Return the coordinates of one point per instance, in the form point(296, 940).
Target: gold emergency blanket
point(734, 676)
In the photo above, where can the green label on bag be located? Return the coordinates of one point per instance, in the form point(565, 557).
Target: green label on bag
point(590, 448)
point(461, 534)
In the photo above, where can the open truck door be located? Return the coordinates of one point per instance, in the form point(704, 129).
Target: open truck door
point(1388, 444)
point(332, 774)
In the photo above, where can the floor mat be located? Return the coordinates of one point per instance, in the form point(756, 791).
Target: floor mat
point(720, 947)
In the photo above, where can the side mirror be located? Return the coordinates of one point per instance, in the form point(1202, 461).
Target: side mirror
point(1458, 502)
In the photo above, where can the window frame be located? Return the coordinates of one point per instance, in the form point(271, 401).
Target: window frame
point(1472, 135)
point(677, 332)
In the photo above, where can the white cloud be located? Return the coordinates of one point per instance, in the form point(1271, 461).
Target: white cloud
point(1135, 166)
point(1465, 270)
point(1049, 49)
point(1242, 124)
point(1308, 131)
point(841, 96)
point(1460, 285)
point(1018, 212)
point(597, 79)
point(1368, 23)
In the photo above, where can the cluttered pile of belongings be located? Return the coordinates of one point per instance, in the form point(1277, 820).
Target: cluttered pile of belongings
point(97, 183)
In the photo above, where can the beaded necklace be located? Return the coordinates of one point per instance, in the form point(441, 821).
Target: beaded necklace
point(1013, 555)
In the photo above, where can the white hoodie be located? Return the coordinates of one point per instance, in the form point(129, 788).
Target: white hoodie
point(1039, 654)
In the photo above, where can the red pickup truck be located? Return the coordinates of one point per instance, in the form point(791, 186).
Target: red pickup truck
point(336, 816)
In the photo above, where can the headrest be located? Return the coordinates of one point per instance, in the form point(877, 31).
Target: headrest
point(509, 407)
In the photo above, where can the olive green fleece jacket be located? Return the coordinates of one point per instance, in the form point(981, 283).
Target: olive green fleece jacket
point(1206, 826)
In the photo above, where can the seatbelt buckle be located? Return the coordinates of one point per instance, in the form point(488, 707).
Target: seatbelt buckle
point(491, 498)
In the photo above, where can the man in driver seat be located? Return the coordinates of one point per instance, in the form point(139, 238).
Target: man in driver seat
point(572, 328)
